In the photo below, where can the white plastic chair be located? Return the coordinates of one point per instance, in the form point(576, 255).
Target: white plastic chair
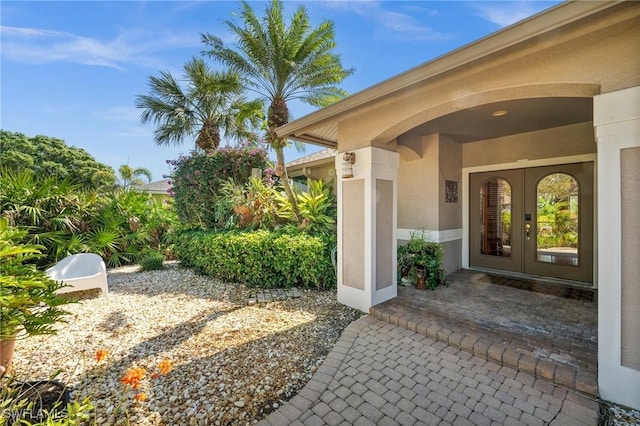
point(83, 271)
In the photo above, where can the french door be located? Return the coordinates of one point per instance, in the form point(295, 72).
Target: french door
point(536, 221)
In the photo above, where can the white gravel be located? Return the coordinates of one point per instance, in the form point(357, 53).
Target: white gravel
point(233, 363)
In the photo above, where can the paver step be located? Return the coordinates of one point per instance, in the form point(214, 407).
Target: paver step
point(568, 360)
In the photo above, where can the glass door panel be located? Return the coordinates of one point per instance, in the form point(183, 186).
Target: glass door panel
point(496, 211)
point(557, 235)
point(559, 201)
point(495, 215)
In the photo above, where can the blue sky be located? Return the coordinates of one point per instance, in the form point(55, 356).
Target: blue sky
point(72, 70)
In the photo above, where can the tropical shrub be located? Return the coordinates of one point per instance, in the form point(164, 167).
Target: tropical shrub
point(66, 219)
point(198, 179)
point(259, 258)
point(151, 260)
point(51, 210)
point(317, 207)
point(124, 224)
point(252, 206)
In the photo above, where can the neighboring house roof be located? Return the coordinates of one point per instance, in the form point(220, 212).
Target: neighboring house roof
point(158, 187)
point(320, 157)
point(321, 127)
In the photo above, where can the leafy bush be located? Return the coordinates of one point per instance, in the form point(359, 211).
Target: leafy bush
point(259, 258)
point(126, 223)
point(151, 260)
point(66, 219)
point(317, 208)
point(250, 206)
point(197, 181)
point(50, 209)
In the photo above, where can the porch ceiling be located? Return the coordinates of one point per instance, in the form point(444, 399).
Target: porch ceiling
point(478, 123)
point(523, 115)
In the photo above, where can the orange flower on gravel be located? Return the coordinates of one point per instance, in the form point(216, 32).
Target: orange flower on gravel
point(165, 366)
point(133, 377)
point(140, 396)
point(101, 354)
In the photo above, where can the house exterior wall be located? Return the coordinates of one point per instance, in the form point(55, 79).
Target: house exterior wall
point(450, 169)
point(630, 230)
point(563, 141)
point(617, 124)
point(594, 57)
point(384, 232)
point(418, 187)
point(367, 222)
point(324, 170)
point(354, 234)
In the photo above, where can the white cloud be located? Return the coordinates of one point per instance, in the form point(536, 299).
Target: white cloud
point(41, 46)
point(394, 24)
point(119, 113)
point(508, 12)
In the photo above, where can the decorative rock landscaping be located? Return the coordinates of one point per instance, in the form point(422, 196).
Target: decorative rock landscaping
point(232, 362)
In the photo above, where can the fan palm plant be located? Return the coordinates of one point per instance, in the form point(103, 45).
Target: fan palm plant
point(282, 63)
point(210, 102)
point(50, 209)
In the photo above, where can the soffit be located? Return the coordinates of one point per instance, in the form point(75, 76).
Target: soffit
point(523, 115)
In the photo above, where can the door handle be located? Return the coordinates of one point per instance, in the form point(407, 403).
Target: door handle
point(527, 230)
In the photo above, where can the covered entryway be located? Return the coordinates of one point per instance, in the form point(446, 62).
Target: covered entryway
point(536, 221)
point(559, 88)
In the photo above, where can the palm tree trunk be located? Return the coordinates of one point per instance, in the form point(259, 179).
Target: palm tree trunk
point(278, 116)
point(285, 182)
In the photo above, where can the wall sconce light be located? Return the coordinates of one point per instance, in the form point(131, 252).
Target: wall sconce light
point(347, 164)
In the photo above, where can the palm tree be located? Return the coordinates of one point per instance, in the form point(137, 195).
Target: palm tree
point(209, 103)
point(281, 64)
point(130, 177)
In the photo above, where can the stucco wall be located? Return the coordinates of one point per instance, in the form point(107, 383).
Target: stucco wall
point(384, 233)
point(418, 187)
point(549, 143)
point(353, 233)
point(450, 214)
point(630, 202)
point(617, 121)
point(326, 172)
point(452, 259)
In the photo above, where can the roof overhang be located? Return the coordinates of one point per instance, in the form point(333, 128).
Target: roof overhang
point(320, 127)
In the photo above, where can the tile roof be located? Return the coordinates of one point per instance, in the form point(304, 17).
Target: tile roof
point(312, 158)
point(157, 187)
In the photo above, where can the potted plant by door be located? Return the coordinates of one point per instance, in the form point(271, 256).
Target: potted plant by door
point(29, 305)
point(421, 262)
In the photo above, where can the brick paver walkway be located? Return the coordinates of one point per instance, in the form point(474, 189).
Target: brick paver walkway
point(545, 335)
point(383, 374)
point(475, 353)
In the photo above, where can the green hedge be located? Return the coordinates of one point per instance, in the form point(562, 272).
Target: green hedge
point(259, 258)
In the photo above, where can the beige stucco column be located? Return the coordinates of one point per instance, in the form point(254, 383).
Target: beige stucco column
point(367, 220)
point(617, 127)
